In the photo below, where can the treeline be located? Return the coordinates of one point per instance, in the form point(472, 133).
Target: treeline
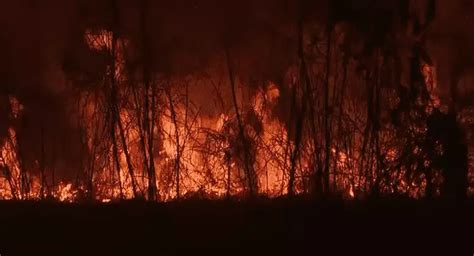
point(169, 99)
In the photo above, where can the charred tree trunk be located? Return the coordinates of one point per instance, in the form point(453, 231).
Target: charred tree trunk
point(363, 169)
point(178, 145)
point(113, 96)
point(376, 129)
point(340, 102)
point(128, 159)
point(140, 110)
point(24, 177)
point(113, 123)
point(152, 189)
point(228, 158)
point(456, 169)
point(42, 164)
point(300, 119)
point(149, 108)
point(327, 128)
point(247, 165)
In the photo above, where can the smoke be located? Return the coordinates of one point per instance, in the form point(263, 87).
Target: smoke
point(450, 41)
point(34, 35)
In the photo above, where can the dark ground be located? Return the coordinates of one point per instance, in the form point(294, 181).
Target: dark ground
point(264, 227)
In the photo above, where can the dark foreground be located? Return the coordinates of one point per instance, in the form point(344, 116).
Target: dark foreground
point(265, 227)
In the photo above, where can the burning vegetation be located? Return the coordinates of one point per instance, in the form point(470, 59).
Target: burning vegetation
point(163, 100)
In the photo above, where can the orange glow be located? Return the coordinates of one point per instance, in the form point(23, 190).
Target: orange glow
point(429, 73)
point(201, 152)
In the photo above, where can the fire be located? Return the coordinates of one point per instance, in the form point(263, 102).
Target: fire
point(429, 73)
point(351, 192)
point(193, 163)
point(99, 40)
point(132, 129)
point(271, 156)
point(66, 192)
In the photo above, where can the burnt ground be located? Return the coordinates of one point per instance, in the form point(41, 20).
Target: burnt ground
point(261, 227)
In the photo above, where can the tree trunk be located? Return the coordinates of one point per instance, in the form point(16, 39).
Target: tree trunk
point(327, 132)
point(178, 146)
point(128, 159)
point(149, 110)
point(247, 167)
point(113, 100)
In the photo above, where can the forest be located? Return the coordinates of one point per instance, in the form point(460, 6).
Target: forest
point(164, 100)
point(116, 102)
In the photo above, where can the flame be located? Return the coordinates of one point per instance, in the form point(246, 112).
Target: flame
point(351, 192)
point(198, 151)
point(66, 192)
point(431, 82)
